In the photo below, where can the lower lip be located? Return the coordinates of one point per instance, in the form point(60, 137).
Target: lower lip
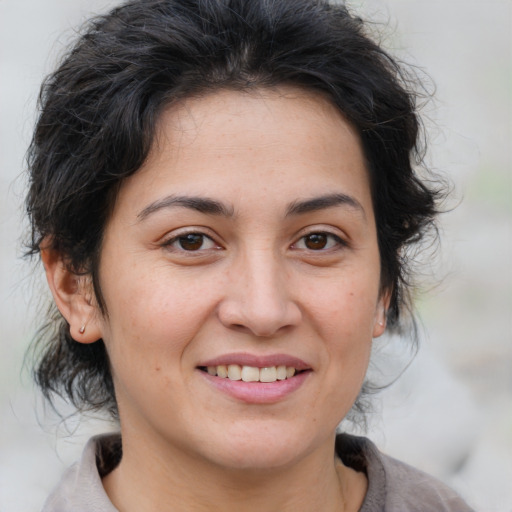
point(257, 392)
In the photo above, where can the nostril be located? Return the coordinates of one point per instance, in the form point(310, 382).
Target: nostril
point(261, 314)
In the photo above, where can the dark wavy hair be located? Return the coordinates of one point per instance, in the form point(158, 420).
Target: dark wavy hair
point(97, 119)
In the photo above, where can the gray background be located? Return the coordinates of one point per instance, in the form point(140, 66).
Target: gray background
point(451, 412)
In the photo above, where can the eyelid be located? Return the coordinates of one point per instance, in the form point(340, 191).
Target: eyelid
point(173, 236)
point(341, 239)
point(338, 243)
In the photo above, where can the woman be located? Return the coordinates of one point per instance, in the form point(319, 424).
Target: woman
point(222, 195)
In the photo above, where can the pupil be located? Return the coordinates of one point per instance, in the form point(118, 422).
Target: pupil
point(191, 242)
point(316, 241)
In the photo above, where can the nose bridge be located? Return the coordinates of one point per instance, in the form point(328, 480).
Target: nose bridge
point(263, 277)
point(260, 299)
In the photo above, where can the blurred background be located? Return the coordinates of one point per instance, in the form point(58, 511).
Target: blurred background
point(451, 411)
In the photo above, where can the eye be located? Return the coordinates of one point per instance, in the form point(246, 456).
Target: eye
point(191, 242)
point(318, 241)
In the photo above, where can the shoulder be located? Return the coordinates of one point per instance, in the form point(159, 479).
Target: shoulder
point(80, 488)
point(407, 486)
point(394, 486)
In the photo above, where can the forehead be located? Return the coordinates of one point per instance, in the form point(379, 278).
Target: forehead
point(244, 120)
point(245, 145)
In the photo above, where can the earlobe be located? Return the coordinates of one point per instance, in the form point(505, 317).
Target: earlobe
point(72, 295)
point(379, 328)
point(380, 321)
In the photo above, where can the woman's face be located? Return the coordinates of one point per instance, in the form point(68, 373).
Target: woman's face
point(246, 241)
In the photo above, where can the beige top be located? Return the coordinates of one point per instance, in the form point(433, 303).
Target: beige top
point(392, 485)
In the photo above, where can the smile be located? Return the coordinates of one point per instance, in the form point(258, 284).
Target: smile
point(256, 379)
point(237, 372)
point(253, 384)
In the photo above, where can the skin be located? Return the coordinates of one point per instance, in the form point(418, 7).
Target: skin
point(257, 282)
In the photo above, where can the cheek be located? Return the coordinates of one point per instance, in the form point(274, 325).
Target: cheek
point(345, 309)
point(344, 317)
point(155, 314)
point(344, 325)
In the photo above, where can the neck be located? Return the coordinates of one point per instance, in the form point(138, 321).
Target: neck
point(173, 480)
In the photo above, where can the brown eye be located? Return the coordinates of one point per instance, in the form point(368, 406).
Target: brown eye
point(191, 241)
point(319, 241)
point(316, 241)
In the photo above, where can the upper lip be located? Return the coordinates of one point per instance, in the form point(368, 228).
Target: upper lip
point(258, 361)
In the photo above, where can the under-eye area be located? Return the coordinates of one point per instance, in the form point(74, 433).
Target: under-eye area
point(252, 373)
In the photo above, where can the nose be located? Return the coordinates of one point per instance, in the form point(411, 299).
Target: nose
point(258, 299)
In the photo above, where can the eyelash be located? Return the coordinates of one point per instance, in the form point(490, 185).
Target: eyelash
point(335, 242)
point(182, 236)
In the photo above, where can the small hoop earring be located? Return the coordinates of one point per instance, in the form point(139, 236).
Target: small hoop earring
point(82, 329)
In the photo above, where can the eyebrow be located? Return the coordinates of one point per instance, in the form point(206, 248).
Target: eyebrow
point(323, 202)
point(200, 204)
point(213, 207)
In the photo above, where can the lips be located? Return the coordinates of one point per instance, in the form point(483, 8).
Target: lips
point(245, 359)
point(256, 379)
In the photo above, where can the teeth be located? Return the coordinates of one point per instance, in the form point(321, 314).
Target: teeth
point(281, 372)
point(234, 372)
point(268, 374)
point(252, 373)
point(222, 371)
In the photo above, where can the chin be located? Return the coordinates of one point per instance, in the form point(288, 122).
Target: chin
point(257, 457)
point(260, 445)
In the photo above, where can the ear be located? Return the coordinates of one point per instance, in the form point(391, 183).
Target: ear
point(74, 297)
point(379, 324)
